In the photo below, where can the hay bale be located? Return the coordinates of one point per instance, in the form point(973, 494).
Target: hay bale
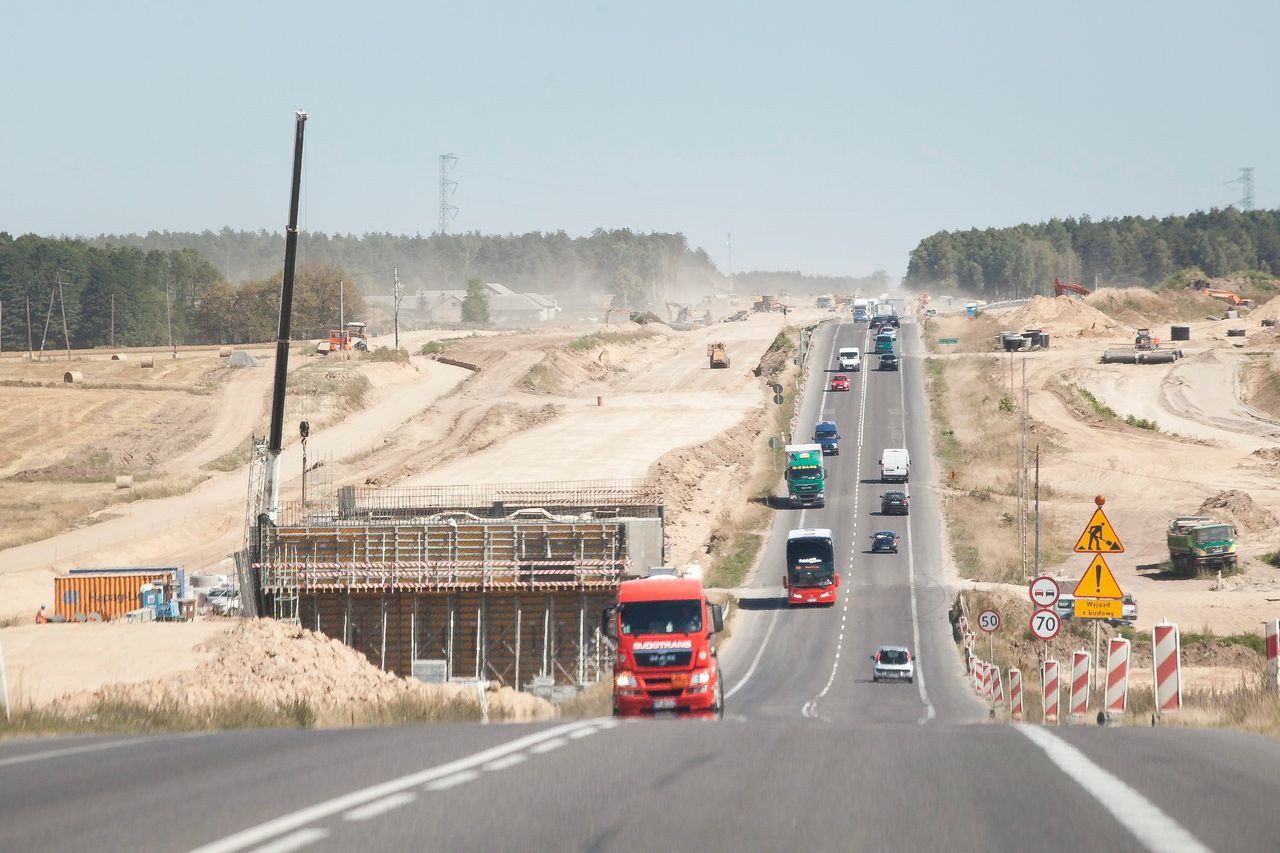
point(119, 356)
point(224, 352)
point(72, 376)
point(147, 361)
point(124, 481)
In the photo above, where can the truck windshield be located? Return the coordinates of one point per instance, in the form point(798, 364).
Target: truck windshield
point(806, 472)
point(825, 432)
point(661, 617)
point(1217, 533)
point(810, 562)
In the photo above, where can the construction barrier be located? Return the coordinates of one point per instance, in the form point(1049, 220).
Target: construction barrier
point(1080, 662)
point(1015, 695)
point(1272, 631)
point(1049, 680)
point(1166, 656)
point(997, 695)
point(1115, 698)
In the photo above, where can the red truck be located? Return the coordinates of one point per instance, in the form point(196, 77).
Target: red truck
point(811, 576)
point(666, 661)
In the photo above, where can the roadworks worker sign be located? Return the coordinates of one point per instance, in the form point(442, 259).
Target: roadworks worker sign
point(1098, 536)
point(1098, 582)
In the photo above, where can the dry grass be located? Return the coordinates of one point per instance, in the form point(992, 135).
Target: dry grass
point(595, 701)
point(1261, 382)
point(975, 334)
point(232, 460)
point(1140, 307)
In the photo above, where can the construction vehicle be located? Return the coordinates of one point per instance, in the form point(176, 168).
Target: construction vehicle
point(1143, 340)
point(811, 576)
point(718, 355)
point(350, 337)
point(764, 304)
point(159, 598)
point(666, 662)
point(677, 313)
point(1198, 542)
point(1225, 295)
point(806, 475)
point(1070, 288)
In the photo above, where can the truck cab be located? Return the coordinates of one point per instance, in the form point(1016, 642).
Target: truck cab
point(665, 661)
point(811, 576)
point(806, 475)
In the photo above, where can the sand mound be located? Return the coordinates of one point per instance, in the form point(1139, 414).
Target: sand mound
point(1237, 507)
point(276, 664)
point(1063, 316)
point(1269, 310)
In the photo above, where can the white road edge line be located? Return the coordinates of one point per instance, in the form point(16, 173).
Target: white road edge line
point(70, 750)
point(929, 712)
point(1154, 828)
point(294, 841)
point(746, 676)
point(460, 778)
point(300, 818)
point(381, 807)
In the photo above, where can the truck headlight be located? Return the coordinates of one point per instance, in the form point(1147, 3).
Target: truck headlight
point(625, 679)
point(702, 676)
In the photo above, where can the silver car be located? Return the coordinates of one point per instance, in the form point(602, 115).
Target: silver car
point(893, 663)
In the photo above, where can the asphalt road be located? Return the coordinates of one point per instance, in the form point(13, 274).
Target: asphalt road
point(811, 754)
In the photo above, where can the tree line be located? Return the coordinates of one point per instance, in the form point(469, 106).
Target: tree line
point(125, 296)
point(1129, 251)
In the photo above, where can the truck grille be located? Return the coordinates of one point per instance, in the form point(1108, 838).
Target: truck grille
point(664, 658)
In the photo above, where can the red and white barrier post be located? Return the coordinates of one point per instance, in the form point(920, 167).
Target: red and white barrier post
point(1115, 700)
point(997, 694)
point(1272, 632)
point(1080, 685)
point(1049, 681)
point(1015, 695)
point(1166, 656)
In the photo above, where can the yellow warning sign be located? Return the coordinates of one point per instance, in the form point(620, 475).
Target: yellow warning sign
point(1098, 536)
point(1098, 582)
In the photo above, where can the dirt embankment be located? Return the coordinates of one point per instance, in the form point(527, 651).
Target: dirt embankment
point(277, 665)
point(1239, 509)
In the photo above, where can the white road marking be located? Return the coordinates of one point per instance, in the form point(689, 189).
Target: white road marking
point(380, 807)
point(746, 676)
point(548, 745)
point(70, 750)
point(295, 820)
point(515, 758)
point(929, 712)
point(453, 781)
point(294, 841)
point(1154, 828)
point(581, 733)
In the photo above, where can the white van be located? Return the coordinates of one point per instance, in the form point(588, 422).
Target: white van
point(849, 358)
point(895, 465)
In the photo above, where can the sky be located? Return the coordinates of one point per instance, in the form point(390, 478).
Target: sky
point(828, 138)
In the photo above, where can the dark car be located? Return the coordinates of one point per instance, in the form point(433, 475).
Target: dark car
point(888, 361)
point(828, 435)
point(894, 503)
point(884, 542)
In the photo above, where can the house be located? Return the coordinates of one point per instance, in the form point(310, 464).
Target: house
point(440, 306)
point(506, 307)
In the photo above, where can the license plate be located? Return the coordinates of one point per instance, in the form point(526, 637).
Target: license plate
point(663, 704)
point(680, 679)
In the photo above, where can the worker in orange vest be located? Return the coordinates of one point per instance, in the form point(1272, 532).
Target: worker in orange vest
point(40, 617)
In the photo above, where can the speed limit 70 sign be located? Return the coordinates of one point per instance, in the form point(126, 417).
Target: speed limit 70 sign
point(989, 621)
point(1045, 624)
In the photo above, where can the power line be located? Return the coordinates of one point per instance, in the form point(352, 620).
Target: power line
point(447, 188)
point(1246, 188)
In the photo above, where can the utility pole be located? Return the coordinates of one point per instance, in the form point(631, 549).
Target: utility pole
point(398, 294)
point(168, 318)
point(447, 188)
point(1022, 470)
point(342, 319)
point(62, 303)
point(30, 347)
point(113, 319)
point(1037, 510)
point(732, 289)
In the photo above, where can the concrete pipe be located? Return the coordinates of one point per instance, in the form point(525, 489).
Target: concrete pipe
point(147, 361)
point(1157, 357)
point(72, 376)
point(1119, 356)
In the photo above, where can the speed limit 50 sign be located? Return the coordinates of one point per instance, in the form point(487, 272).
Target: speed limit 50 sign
point(1045, 624)
point(989, 621)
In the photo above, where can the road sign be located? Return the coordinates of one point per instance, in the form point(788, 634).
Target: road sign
point(1097, 608)
point(777, 398)
point(773, 442)
point(1044, 591)
point(948, 340)
point(777, 387)
point(989, 621)
point(1098, 536)
point(1098, 582)
point(1045, 624)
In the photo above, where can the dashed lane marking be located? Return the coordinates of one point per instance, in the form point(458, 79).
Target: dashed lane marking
point(452, 781)
point(381, 807)
point(294, 841)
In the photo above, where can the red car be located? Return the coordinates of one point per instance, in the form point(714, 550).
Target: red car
point(839, 382)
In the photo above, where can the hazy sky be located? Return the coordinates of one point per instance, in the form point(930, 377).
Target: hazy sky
point(827, 137)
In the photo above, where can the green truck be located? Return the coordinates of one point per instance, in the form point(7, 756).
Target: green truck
point(806, 475)
point(1199, 542)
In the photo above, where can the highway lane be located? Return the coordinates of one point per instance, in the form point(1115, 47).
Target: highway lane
point(812, 754)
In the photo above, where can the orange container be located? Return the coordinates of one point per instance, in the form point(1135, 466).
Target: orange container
point(109, 595)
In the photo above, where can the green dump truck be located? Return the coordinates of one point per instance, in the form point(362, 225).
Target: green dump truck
point(1199, 542)
point(806, 475)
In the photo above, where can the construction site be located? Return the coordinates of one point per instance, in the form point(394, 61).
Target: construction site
point(499, 584)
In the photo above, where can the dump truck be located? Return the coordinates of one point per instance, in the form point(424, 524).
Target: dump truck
point(718, 355)
point(806, 475)
point(353, 336)
point(665, 662)
point(1198, 542)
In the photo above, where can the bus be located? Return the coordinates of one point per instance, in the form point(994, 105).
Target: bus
point(811, 567)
